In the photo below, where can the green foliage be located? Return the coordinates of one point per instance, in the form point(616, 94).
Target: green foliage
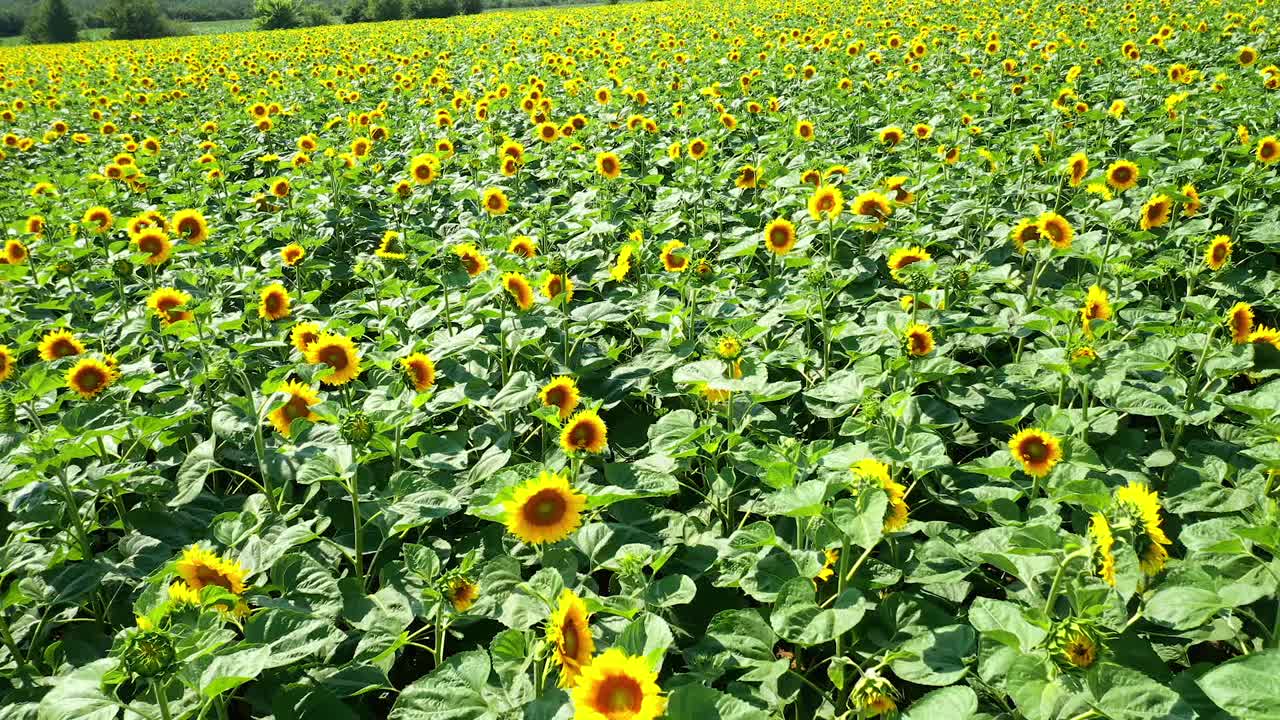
point(432, 8)
point(52, 22)
point(277, 14)
point(136, 20)
point(383, 10)
point(471, 7)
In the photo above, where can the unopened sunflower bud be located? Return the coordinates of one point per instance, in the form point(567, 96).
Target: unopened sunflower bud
point(149, 653)
point(357, 428)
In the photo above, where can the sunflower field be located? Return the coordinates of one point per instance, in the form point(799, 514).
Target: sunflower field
point(712, 360)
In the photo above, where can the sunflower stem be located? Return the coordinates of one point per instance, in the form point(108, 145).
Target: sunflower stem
point(1057, 578)
point(82, 535)
point(440, 632)
point(357, 524)
point(161, 701)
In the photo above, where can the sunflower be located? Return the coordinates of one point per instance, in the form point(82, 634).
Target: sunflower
point(273, 302)
point(164, 303)
point(1265, 334)
point(1038, 451)
point(191, 225)
point(584, 432)
point(877, 473)
point(1142, 505)
point(891, 135)
point(15, 252)
point(155, 243)
point(473, 261)
point(518, 287)
point(826, 200)
point(698, 148)
point(1218, 252)
point(339, 353)
point(902, 257)
point(749, 176)
point(1103, 558)
point(89, 377)
point(556, 284)
point(420, 370)
point(569, 635)
point(1193, 203)
point(672, 260)
point(301, 398)
point(1024, 233)
point(1077, 168)
point(461, 593)
point(99, 219)
point(562, 393)
point(36, 224)
point(7, 362)
point(524, 246)
point(728, 347)
point(1122, 175)
point(495, 201)
point(873, 205)
point(897, 186)
point(59, 344)
point(292, 254)
point(303, 334)
point(1155, 212)
point(874, 696)
point(424, 169)
point(201, 568)
point(1096, 307)
point(608, 165)
point(182, 594)
point(780, 236)
point(622, 265)
point(804, 130)
point(617, 686)
point(1240, 318)
point(830, 557)
point(919, 340)
point(389, 248)
point(1079, 649)
point(1268, 150)
point(545, 510)
point(1055, 228)
point(280, 188)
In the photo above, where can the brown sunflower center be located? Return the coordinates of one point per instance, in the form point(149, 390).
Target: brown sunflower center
point(547, 507)
point(1219, 253)
point(296, 407)
point(569, 638)
point(554, 286)
point(89, 379)
point(150, 244)
point(62, 348)
point(471, 264)
point(208, 576)
point(826, 202)
point(273, 303)
point(334, 357)
point(608, 165)
point(779, 237)
point(188, 226)
point(1035, 449)
point(495, 202)
point(557, 396)
point(1121, 175)
point(919, 343)
point(582, 435)
point(619, 694)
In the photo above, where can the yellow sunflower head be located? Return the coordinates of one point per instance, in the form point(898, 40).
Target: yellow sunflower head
point(191, 225)
point(155, 243)
point(517, 286)
point(473, 261)
point(390, 247)
point(1155, 213)
point(1240, 318)
point(826, 201)
point(902, 257)
point(200, 567)
point(780, 236)
point(292, 254)
point(273, 302)
point(561, 393)
point(672, 259)
point(1122, 175)
point(557, 284)
point(420, 370)
point(584, 433)
point(617, 686)
point(545, 510)
point(298, 405)
point(461, 593)
point(59, 344)
point(872, 204)
point(1218, 252)
point(494, 201)
point(339, 353)
point(165, 302)
point(1038, 451)
point(608, 165)
point(1055, 228)
point(569, 635)
point(918, 339)
point(303, 334)
point(523, 246)
point(7, 363)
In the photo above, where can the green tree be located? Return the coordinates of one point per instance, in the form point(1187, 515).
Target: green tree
point(433, 8)
point(315, 15)
point(385, 10)
point(276, 14)
point(136, 19)
point(472, 7)
point(52, 22)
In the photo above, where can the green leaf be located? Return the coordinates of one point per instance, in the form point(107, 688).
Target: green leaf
point(191, 474)
point(705, 703)
point(861, 519)
point(797, 618)
point(1121, 693)
point(952, 703)
point(79, 695)
point(454, 691)
point(1004, 622)
point(941, 655)
point(1246, 687)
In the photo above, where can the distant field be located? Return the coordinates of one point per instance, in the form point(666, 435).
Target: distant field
point(213, 27)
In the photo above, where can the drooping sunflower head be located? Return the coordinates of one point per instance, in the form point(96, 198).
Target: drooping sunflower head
point(420, 371)
point(155, 243)
point(902, 257)
point(561, 393)
point(1141, 506)
point(826, 201)
point(1102, 540)
point(1024, 233)
point(191, 225)
point(1076, 643)
point(90, 376)
point(461, 593)
point(494, 201)
point(59, 344)
point(545, 509)
point(1265, 334)
point(585, 432)
point(1240, 318)
point(1038, 451)
point(517, 286)
point(622, 265)
point(1156, 211)
point(297, 405)
point(1218, 252)
point(780, 236)
point(7, 363)
point(569, 635)
point(292, 254)
point(165, 302)
point(555, 284)
point(1193, 203)
point(1122, 175)
point(390, 247)
point(617, 686)
point(874, 696)
point(919, 340)
point(524, 246)
point(608, 165)
point(870, 472)
point(473, 261)
point(1055, 228)
point(672, 259)
point(339, 353)
point(200, 567)
point(1077, 168)
point(830, 557)
point(273, 302)
point(897, 187)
